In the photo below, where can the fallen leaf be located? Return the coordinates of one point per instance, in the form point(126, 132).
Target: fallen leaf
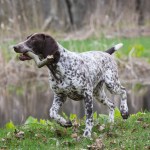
point(76, 124)
point(3, 140)
point(133, 130)
point(102, 127)
point(145, 125)
point(140, 119)
point(19, 134)
point(44, 139)
point(38, 135)
point(66, 143)
point(147, 147)
point(78, 138)
point(74, 135)
point(91, 147)
point(3, 148)
point(111, 134)
point(113, 142)
point(98, 145)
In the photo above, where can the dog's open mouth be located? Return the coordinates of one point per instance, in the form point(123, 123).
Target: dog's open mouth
point(24, 56)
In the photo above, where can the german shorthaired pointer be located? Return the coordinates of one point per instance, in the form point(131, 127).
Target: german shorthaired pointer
point(79, 76)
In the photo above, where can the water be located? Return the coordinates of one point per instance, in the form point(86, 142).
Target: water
point(35, 99)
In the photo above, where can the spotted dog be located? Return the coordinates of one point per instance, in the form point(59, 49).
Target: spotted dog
point(79, 76)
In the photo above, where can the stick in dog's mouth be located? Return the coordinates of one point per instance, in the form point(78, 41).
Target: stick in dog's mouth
point(39, 63)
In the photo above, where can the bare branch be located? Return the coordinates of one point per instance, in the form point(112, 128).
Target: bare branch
point(41, 63)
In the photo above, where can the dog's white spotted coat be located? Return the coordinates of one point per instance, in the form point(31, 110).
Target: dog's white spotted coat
point(81, 78)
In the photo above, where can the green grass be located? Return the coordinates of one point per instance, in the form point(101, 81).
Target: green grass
point(140, 44)
point(132, 134)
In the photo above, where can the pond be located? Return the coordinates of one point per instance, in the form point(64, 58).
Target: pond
point(35, 99)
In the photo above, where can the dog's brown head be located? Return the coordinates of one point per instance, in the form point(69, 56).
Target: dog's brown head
point(40, 44)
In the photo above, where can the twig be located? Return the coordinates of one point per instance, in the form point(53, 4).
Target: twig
point(136, 81)
point(123, 63)
point(131, 63)
point(40, 63)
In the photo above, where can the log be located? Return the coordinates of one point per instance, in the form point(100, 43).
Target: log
point(40, 63)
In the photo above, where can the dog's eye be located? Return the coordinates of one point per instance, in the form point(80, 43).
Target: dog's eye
point(33, 39)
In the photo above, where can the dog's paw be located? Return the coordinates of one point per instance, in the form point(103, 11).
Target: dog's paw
point(87, 134)
point(67, 124)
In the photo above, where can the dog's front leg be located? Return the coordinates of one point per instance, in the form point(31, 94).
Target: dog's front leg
point(89, 114)
point(57, 103)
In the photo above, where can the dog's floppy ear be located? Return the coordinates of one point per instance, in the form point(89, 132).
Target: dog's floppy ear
point(51, 48)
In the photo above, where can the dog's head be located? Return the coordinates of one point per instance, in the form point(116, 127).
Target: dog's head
point(40, 44)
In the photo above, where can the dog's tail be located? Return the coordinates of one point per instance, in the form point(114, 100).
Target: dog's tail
point(114, 48)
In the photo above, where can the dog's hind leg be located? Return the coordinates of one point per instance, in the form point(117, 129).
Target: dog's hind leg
point(100, 95)
point(57, 103)
point(120, 90)
point(114, 86)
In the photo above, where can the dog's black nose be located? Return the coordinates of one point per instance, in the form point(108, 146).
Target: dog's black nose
point(16, 49)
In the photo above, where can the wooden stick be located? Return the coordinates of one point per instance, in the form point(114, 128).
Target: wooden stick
point(40, 63)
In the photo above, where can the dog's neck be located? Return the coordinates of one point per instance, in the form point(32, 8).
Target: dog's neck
point(63, 52)
point(56, 69)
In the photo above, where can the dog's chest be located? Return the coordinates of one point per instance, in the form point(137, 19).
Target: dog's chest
point(72, 87)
